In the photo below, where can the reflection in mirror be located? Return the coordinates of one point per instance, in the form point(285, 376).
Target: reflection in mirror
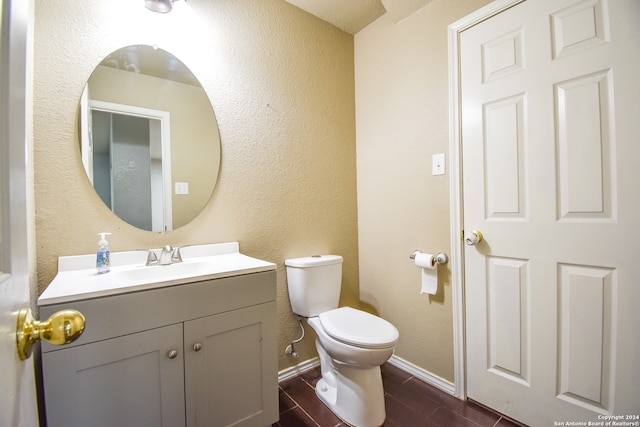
point(149, 139)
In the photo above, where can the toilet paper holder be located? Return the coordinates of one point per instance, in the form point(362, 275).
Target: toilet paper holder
point(439, 258)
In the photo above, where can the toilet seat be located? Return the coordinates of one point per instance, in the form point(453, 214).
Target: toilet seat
point(358, 328)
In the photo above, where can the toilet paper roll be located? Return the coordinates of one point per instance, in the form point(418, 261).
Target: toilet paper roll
point(425, 261)
point(429, 273)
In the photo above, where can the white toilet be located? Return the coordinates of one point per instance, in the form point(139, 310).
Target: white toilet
point(352, 344)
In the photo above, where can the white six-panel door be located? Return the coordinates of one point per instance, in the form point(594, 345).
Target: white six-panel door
point(551, 170)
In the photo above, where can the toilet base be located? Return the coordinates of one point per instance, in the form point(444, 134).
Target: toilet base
point(355, 395)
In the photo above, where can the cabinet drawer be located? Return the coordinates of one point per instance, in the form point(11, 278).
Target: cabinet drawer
point(128, 313)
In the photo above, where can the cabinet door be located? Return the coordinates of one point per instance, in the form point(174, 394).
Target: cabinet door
point(231, 368)
point(124, 381)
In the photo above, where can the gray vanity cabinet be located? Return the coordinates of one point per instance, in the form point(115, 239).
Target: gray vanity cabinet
point(124, 381)
point(234, 344)
point(198, 354)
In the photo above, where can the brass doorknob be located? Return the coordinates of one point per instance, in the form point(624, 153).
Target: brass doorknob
point(62, 327)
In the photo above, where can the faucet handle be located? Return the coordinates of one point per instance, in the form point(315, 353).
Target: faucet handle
point(152, 258)
point(177, 256)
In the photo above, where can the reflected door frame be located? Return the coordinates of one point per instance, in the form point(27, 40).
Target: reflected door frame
point(164, 223)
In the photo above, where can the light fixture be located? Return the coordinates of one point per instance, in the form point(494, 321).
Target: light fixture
point(161, 6)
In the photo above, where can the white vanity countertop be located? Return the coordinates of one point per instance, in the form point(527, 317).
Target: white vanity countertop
point(77, 278)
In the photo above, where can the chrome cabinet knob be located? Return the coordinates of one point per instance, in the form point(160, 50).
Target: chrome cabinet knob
point(172, 354)
point(197, 346)
point(473, 238)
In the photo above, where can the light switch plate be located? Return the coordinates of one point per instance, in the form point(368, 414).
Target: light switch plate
point(182, 188)
point(438, 164)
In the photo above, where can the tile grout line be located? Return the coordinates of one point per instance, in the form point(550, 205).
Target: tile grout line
point(299, 406)
point(340, 423)
point(408, 379)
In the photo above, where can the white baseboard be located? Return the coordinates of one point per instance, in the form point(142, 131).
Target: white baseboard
point(410, 368)
point(421, 374)
point(300, 368)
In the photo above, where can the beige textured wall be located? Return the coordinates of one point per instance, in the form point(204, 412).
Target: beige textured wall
point(281, 83)
point(402, 120)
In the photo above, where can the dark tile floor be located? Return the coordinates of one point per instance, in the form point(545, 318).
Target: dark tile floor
point(409, 402)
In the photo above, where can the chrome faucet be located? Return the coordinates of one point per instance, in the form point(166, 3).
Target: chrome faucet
point(168, 255)
point(152, 258)
point(177, 255)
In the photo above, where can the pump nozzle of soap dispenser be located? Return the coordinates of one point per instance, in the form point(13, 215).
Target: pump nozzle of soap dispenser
point(103, 256)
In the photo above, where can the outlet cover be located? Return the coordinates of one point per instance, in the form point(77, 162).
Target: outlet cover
point(438, 164)
point(182, 188)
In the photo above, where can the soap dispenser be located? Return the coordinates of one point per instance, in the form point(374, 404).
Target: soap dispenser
point(103, 256)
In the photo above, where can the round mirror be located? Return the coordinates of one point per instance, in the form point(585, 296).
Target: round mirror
point(149, 139)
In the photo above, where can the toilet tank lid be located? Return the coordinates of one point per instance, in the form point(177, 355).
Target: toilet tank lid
point(313, 261)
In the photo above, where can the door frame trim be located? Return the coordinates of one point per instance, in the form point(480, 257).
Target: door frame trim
point(455, 185)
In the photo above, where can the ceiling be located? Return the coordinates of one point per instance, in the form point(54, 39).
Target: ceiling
point(353, 15)
point(349, 15)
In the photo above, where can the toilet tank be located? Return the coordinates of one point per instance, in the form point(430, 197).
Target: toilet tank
point(314, 283)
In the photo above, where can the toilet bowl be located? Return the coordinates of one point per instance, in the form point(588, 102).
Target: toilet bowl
point(351, 384)
point(351, 343)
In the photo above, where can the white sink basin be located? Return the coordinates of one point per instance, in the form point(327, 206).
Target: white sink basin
point(161, 273)
point(77, 277)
